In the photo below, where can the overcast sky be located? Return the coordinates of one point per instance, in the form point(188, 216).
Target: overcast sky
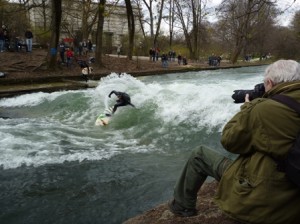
point(290, 6)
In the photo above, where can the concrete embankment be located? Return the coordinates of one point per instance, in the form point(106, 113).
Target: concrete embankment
point(10, 87)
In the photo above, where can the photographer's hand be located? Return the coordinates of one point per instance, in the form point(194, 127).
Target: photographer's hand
point(247, 98)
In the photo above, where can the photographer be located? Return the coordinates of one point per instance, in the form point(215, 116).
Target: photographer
point(251, 188)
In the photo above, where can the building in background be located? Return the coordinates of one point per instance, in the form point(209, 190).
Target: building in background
point(79, 21)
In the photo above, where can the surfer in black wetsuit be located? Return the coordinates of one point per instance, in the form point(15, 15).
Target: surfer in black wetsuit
point(123, 100)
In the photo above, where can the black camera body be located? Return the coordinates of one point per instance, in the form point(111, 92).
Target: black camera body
point(239, 95)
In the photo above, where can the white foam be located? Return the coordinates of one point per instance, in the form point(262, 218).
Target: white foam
point(199, 101)
point(32, 99)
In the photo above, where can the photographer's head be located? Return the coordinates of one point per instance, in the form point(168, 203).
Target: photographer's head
point(281, 71)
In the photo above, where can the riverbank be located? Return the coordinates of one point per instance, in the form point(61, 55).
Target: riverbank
point(208, 211)
point(26, 72)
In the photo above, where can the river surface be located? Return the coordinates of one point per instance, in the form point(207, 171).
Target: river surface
point(56, 166)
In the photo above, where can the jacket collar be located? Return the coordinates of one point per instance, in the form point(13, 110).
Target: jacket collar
point(283, 87)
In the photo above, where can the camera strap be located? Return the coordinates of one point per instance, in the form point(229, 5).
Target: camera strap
point(290, 102)
point(291, 164)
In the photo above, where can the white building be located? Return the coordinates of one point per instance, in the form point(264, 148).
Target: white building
point(115, 22)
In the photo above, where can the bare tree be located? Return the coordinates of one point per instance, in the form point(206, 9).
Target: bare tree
point(171, 21)
point(191, 14)
point(160, 7)
point(150, 20)
point(155, 15)
point(285, 44)
point(140, 15)
point(99, 41)
point(79, 12)
point(240, 18)
point(56, 12)
point(131, 28)
point(89, 17)
point(296, 25)
point(259, 38)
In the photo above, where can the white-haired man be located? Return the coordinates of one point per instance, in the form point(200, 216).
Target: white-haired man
point(251, 188)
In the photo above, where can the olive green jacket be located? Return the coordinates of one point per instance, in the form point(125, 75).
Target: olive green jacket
point(252, 190)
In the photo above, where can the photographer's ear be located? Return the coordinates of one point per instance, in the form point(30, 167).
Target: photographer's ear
point(268, 83)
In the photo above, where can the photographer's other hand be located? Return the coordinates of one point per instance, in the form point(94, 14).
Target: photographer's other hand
point(247, 98)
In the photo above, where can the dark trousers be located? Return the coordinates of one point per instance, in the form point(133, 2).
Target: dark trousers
point(119, 104)
point(202, 163)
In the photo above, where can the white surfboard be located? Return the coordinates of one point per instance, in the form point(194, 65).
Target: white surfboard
point(104, 118)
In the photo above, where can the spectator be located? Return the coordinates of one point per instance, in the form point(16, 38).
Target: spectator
point(164, 60)
point(119, 50)
point(153, 54)
point(184, 60)
point(219, 59)
point(62, 49)
point(84, 47)
point(173, 55)
point(15, 41)
point(179, 58)
point(252, 189)
point(28, 36)
point(76, 45)
point(150, 53)
point(90, 46)
point(70, 56)
point(214, 60)
point(6, 38)
point(157, 53)
point(2, 40)
point(80, 49)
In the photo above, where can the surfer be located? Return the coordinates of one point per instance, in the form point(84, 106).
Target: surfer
point(123, 100)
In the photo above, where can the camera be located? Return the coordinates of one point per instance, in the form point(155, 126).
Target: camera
point(239, 95)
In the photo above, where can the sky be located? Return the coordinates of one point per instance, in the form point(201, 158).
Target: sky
point(291, 7)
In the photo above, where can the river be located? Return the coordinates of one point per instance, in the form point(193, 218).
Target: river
point(56, 166)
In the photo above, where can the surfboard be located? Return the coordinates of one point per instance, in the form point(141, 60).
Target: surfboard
point(104, 118)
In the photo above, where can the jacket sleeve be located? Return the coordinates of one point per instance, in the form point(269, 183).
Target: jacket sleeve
point(112, 92)
point(237, 133)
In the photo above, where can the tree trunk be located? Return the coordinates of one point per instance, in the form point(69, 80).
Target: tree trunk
point(99, 41)
point(243, 31)
point(236, 53)
point(158, 22)
point(171, 22)
point(55, 31)
point(86, 11)
point(131, 28)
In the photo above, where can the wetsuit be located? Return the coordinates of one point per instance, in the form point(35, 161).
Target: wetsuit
point(123, 100)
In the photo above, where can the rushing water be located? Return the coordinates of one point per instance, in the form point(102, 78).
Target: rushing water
point(57, 167)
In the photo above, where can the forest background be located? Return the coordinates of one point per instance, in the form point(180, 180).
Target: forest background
point(240, 28)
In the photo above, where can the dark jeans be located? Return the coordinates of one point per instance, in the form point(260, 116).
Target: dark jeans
point(202, 163)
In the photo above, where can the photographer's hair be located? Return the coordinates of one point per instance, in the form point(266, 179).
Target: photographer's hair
point(283, 71)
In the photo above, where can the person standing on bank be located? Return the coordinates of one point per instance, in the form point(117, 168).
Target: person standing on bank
point(119, 50)
point(251, 188)
point(2, 39)
point(28, 39)
point(62, 49)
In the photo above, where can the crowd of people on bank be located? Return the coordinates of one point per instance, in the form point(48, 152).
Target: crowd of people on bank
point(214, 60)
point(80, 48)
point(11, 41)
point(67, 48)
point(154, 55)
